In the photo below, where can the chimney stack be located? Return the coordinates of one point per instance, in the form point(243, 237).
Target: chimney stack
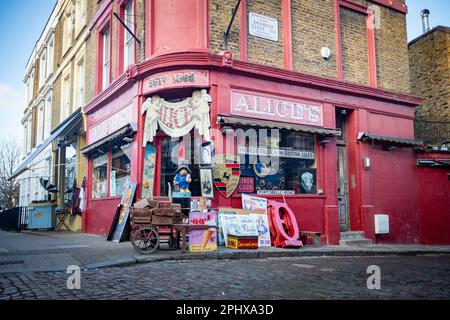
point(425, 13)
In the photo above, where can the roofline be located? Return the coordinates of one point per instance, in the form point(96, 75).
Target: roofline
point(33, 52)
point(441, 28)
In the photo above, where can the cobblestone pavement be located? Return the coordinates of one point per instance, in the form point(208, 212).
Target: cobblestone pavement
point(407, 277)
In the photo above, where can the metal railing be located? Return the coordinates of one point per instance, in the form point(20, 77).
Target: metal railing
point(432, 132)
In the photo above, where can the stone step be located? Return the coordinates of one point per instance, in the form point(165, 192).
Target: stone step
point(352, 235)
point(358, 242)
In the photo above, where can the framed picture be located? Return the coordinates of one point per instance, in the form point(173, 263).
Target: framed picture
point(206, 182)
point(206, 154)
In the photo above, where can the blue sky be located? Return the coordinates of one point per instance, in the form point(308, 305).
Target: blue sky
point(21, 23)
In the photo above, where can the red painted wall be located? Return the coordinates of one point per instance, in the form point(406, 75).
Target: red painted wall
point(434, 201)
point(394, 183)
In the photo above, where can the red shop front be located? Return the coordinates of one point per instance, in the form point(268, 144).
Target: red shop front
point(342, 150)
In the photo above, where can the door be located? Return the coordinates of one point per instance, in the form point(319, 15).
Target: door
point(342, 188)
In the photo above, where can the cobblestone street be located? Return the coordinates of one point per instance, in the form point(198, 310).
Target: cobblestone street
point(422, 277)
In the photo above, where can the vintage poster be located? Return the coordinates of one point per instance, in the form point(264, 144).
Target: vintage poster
point(261, 219)
point(122, 214)
point(203, 240)
point(238, 225)
point(206, 182)
point(220, 218)
point(148, 178)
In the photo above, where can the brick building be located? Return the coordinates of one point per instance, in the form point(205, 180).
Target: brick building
point(328, 79)
point(429, 56)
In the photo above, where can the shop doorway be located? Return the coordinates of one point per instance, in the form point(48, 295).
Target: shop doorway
point(342, 171)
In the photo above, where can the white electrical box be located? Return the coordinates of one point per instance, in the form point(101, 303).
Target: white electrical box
point(381, 224)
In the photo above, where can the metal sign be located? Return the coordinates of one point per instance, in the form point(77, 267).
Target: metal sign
point(263, 27)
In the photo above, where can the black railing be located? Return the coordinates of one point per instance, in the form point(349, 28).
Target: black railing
point(432, 132)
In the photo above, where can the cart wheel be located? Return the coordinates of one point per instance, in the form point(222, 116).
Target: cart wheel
point(145, 240)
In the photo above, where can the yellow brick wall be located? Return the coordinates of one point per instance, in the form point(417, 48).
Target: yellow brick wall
point(430, 75)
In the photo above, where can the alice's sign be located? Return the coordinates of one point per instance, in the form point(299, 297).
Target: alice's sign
point(263, 26)
point(274, 108)
point(176, 79)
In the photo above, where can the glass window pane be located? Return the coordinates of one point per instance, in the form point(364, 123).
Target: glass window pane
point(292, 172)
point(120, 169)
point(99, 176)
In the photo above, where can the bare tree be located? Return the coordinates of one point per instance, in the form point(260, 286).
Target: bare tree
point(9, 159)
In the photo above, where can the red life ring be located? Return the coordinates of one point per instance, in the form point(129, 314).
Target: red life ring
point(283, 225)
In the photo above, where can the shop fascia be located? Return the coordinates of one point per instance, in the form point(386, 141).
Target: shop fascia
point(277, 109)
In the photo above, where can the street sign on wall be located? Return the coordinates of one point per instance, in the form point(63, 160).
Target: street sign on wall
point(262, 26)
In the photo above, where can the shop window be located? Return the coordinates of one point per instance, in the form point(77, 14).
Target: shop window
point(120, 169)
point(70, 171)
point(288, 165)
point(100, 176)
point(170, 151)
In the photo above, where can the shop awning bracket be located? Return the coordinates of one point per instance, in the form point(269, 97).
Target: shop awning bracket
point(126, 27)
point(227, 33)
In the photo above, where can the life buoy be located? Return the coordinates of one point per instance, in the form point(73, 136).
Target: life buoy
point(283, 225)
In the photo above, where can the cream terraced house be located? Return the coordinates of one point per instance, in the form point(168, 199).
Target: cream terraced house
point(53, 125)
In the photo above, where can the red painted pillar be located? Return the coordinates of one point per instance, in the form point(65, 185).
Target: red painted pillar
point(328, 163)
point(360, 183)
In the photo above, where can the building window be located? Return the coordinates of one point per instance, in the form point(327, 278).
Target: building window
point(80, 15)
point(29, 130)
point(120, 169)
point(106, 59)
point(66, 108)
point(40, 123)
point(25, 138)
point(79, 83)
point(50, 55)
point(70, 169)
point(100, 176)
point(67, 31)
point(48, 115)
point(289, 168)
point(42, 68)
point(170, 150)
point(128, 53)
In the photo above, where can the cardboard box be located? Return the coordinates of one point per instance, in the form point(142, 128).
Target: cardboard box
point(242, 242)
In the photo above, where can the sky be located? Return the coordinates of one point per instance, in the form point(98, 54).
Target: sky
point(22, 21)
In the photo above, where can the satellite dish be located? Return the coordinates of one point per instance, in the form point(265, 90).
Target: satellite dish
point(47, 185)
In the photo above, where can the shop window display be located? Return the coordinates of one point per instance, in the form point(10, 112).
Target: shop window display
point(290, 168)
point(100, 176)
point(120, 169)
point(170, 160)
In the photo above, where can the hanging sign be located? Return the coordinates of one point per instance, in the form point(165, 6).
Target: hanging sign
point(275, 108)
point(226, 174)
point(176, 79)
point(177, 119)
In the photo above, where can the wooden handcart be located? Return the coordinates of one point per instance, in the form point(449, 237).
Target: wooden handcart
point(153, 225)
